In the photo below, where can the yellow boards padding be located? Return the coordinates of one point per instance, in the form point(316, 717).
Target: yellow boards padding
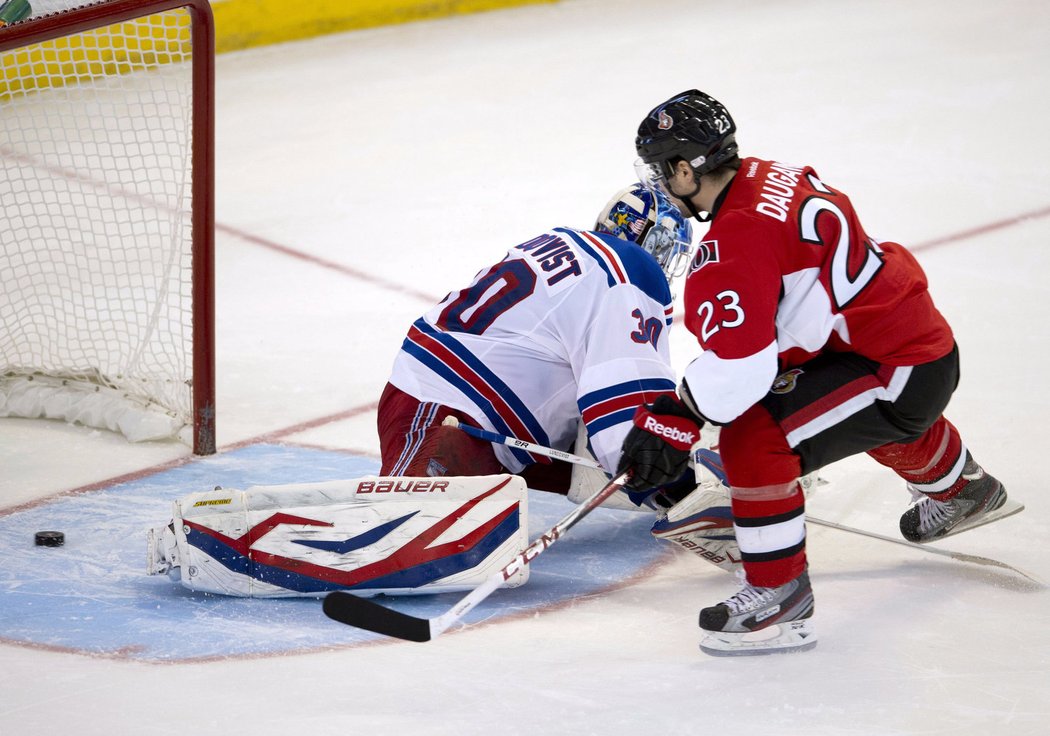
point(241, 24)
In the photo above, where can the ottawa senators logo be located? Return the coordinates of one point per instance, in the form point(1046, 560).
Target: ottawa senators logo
point(706, 252)
point(785, 382)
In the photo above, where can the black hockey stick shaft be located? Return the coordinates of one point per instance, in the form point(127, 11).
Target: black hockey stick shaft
point(363, 613)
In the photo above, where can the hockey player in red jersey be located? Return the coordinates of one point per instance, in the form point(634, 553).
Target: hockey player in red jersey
point(817, 343)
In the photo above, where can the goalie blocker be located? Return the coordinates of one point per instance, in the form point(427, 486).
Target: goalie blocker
point(371, 535)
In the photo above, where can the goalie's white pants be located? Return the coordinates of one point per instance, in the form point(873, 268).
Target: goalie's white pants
point(394, 535)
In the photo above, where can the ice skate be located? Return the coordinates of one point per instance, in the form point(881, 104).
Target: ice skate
point(982, 500)
point(761, 621)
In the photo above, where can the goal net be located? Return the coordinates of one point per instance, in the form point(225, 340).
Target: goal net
point(106, 293)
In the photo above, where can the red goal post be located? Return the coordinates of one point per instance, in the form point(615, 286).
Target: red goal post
point(107, 245)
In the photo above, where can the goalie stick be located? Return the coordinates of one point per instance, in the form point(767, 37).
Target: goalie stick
point(568, 457)
point(364, 613)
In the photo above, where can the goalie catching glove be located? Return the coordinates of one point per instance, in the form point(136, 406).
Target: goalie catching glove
point(656, 449)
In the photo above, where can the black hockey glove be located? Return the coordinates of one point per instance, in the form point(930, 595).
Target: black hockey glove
point(656, 449)
point(661, 498)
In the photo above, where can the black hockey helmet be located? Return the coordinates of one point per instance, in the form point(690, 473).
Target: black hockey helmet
point(692, 126)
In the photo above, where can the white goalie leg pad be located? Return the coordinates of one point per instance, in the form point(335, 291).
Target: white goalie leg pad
point(588, 481)
point(790, 636)
point(702, 523)
point(372, 535)
point(162, 550)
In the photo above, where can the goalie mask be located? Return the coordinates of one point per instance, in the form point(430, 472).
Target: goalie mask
point(647, 217)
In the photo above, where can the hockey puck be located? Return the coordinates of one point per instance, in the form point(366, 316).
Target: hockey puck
point(50, 539)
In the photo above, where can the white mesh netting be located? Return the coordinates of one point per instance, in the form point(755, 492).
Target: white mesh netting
point(96, 247)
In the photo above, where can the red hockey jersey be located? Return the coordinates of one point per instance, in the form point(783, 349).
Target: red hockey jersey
point(786, 272)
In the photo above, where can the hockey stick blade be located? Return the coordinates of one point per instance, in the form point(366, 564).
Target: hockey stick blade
point(362, 613)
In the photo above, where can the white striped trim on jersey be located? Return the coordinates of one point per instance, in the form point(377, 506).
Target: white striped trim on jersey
point(423, 418)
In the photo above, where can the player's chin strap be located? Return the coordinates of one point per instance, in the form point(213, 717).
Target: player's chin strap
point(697, 214)
point(687, 200)
point(568, 457)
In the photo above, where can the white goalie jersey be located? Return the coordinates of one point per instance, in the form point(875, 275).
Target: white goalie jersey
point(372, 535)
point(570, 324)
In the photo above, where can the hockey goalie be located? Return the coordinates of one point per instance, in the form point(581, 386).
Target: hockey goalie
point(371, 535)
